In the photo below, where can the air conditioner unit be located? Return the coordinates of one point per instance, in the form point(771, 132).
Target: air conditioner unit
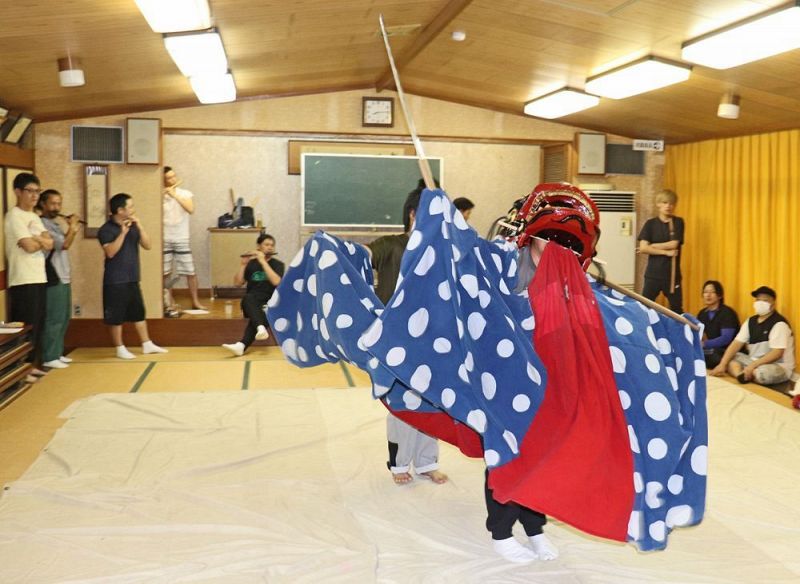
point(617, 244)
point(97, 144)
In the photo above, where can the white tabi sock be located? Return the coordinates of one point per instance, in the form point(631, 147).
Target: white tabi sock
point(513, 551)
point(543, 547)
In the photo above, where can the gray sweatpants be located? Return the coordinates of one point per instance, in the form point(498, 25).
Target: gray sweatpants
point(413, 447)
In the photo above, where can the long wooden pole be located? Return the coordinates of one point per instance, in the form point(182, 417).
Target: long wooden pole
point(424, 166)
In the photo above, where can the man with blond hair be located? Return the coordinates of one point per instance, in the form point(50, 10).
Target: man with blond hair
point(661, 239)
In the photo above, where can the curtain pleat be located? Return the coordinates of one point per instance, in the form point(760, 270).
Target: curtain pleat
point(740, 198)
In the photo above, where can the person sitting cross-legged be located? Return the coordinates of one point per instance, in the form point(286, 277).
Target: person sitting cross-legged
point(770, 345)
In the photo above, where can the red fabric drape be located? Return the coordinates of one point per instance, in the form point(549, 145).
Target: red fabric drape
point(575, 461)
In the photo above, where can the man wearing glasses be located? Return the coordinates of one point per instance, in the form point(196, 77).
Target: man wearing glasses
point(27, 242)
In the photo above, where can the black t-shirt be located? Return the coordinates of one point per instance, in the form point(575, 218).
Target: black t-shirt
point(124, 266)
point(723, 318)
point(656, 231)
point(387, 253)
point(256, 277)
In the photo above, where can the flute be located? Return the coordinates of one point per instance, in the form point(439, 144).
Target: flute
point(81, 221)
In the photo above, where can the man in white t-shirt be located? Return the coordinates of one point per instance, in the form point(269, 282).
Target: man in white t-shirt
point(178, 205)
point(27, 243)
point(770, 345)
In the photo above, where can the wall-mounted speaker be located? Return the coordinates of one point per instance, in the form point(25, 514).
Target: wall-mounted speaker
point(591, 153)
point(96, 144)
point(144, 141)
point(623, 159)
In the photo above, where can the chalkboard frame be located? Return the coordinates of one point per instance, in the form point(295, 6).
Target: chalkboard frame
point(355, 224)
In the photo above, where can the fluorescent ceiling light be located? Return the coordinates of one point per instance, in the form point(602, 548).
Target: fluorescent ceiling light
point(637, 77)
point(175, 15)
point(559, 103)
point(760, 36)
point(18, 129)
point(198, 53)
point(214, 88)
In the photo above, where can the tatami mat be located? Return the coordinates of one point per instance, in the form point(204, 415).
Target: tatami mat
point(284, 375)
point(29, 422)
point(189, 376)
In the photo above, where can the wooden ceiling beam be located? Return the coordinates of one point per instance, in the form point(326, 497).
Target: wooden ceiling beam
point(452, 9)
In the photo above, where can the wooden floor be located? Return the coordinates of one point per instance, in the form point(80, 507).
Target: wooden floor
point(217, 307)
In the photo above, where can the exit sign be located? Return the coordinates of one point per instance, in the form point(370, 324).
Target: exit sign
point(654, 145)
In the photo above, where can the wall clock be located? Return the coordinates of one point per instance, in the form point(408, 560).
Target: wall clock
point(377, 112)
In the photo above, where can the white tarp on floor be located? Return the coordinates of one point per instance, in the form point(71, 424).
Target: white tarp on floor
point(290, 486)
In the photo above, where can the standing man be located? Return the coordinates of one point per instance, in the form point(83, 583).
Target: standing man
point(27, 242)
point(178, 205)
point(262, 273)
point(121, 237)
point(407, 445)
point(59, 294)
point(661, 239)
point(770, 345)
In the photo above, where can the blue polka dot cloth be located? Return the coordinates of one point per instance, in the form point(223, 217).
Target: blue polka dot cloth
point(661, 377)
point(454, 336)
point(452, 332)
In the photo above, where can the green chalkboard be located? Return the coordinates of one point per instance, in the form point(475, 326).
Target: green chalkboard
point(352, 190)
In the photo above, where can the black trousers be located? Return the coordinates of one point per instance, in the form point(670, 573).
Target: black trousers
point(652, 286)
point(500, 517)
point(713, 357)
point(253, 310)
point(29, 305)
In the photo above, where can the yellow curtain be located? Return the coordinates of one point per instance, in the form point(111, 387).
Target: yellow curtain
point(740, 198)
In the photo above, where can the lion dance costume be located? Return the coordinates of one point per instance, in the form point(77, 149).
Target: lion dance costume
point(585, 404)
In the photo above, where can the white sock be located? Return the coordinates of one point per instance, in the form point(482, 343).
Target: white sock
point(261, 333)
point(150, 347)
point(65, 359)
point(235, 348)
point(124, 353)
point(543, 547)
point(513, 551)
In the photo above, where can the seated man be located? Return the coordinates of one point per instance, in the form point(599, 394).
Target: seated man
point(262, 273)
point(770, 345)
point(720, 321)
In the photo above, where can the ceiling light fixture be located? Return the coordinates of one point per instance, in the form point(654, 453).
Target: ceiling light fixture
point(639, 76)
point(560, 103)
point(214, 88)
point(763, 35)
point(197, 53)
point(70, 73)
point(175, 15)
point(15, 130)
point(729, 106)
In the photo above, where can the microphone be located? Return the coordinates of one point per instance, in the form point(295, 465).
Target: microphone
point(81, 221)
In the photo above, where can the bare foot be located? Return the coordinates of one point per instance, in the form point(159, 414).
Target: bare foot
point(436, 476)
point(402, 478)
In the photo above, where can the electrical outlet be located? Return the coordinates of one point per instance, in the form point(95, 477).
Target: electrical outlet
point(76, 310)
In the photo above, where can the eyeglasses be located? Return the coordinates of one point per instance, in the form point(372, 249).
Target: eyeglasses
point(32, 190)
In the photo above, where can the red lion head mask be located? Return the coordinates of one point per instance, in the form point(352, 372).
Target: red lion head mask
point(562, 213)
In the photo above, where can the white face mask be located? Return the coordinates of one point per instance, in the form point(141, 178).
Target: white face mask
point(762, 307)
